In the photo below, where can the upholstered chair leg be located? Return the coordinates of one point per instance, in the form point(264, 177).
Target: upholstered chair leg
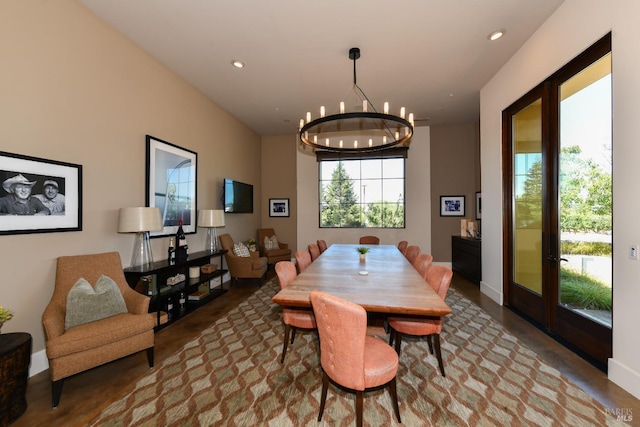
point(398, 339)
point(293, 333)
point(56, 392)
point(394, 396)
point(359, 405)
point(436, 338)
point(323, 395)
point(150, 356)
point(430, 344)
point(287, 329)
point(392, 335)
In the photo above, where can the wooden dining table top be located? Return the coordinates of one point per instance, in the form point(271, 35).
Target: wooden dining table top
point(391, 284)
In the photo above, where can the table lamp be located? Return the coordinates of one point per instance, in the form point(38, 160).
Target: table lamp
point(140, 221)
point(211, 219)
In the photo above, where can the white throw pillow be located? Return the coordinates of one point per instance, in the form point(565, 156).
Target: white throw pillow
point(239, 249)
point(271, 243)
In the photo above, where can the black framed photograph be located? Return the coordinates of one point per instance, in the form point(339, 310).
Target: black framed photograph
point(452, 205)
point(279, 207)
point(39, 195)
point(171, 185)
point(478, 205)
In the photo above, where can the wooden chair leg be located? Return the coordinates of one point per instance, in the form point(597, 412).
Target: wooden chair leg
point(323, 395)
point(287, 329)
point(394, 396)
point(438, 354)
point(430, 344)
point(150, 356)
point(56, 392)
point(392, 335)
point(293, 333)
point(398, 339)
point(359, 405)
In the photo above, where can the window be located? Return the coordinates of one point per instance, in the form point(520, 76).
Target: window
point(362, 192)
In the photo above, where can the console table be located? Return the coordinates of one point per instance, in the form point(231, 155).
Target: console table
point(15, 357)
point(173, 289)
point(466, 257)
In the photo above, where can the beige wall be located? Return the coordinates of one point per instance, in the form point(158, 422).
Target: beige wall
point(279, 182)
point(576, 25)
point(454, 171)
point(75, 90)
point(418, 201)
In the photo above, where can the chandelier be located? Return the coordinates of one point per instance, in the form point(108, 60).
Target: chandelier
point(358, 131)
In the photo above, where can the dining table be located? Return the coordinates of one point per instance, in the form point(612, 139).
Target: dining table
point(385, 282)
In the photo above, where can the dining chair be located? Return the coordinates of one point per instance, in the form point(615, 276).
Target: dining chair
point(303, 260)
point(369, 240)
point(293, 318)
point(439, 278)
point(314, 251)
point(402, 246)
point(411, 253)
point(422, 264)
point(348, 356)
point(322, 245)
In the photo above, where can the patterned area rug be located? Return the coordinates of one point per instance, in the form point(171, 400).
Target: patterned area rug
point(231, 376)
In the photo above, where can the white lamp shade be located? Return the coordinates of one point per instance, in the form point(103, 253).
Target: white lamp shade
point(211, 218)
point(135, 220)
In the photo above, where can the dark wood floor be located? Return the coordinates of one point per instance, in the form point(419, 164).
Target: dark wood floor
point(85, 394)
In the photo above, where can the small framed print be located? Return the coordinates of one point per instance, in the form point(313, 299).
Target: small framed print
point(279, 207)
point(452, 205)
point(39, 195)
point(478, 205)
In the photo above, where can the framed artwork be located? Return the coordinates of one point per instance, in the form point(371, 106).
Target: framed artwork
point(39, 195)
point(279, 207)
point(452, 205)
point(171, 185)
point(478, 205)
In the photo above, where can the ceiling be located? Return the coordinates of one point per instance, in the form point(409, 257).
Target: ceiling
point(431, 56)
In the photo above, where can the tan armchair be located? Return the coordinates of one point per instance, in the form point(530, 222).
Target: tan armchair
point(86, 346)
point(283, 253)
point(251, 267)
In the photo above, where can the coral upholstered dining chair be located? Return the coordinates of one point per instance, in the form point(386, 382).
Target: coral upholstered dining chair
point(402, 246)
point(322, 245)
point(314, 251)
point(293, 318)
point(422, 264)
point(439, 278)
point(369, 240)
point(348, 356)
point(411, 253)
point(303, 259)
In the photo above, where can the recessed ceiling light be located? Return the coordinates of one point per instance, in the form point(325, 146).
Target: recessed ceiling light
point(237, 63)
point(496, 35)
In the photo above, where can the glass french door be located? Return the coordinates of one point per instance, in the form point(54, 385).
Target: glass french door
point(557, 180)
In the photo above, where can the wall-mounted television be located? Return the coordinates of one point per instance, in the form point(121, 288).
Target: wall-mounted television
point(238, 197)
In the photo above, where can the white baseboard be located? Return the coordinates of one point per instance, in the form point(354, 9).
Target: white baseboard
point(625, 377)
point(446, 264)
point(491, 293)
point(39, 363)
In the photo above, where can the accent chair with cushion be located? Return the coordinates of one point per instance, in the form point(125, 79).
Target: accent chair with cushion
point(348, 356)
point(271, 248)
point(93, 318)
point(242, 263)
point(293, 318)
point(439, 278)
point(369, 240)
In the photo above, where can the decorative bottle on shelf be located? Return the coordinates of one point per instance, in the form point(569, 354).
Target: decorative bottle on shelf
point(182, 250)
point(172, 251)
point(183, 302)
point(170, 308)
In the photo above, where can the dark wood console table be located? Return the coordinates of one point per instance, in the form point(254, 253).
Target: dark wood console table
point(15, 357)
point(466, 257)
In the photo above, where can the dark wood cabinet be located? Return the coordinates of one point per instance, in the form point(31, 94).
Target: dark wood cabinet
point(173, 288)
point(466, 257)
